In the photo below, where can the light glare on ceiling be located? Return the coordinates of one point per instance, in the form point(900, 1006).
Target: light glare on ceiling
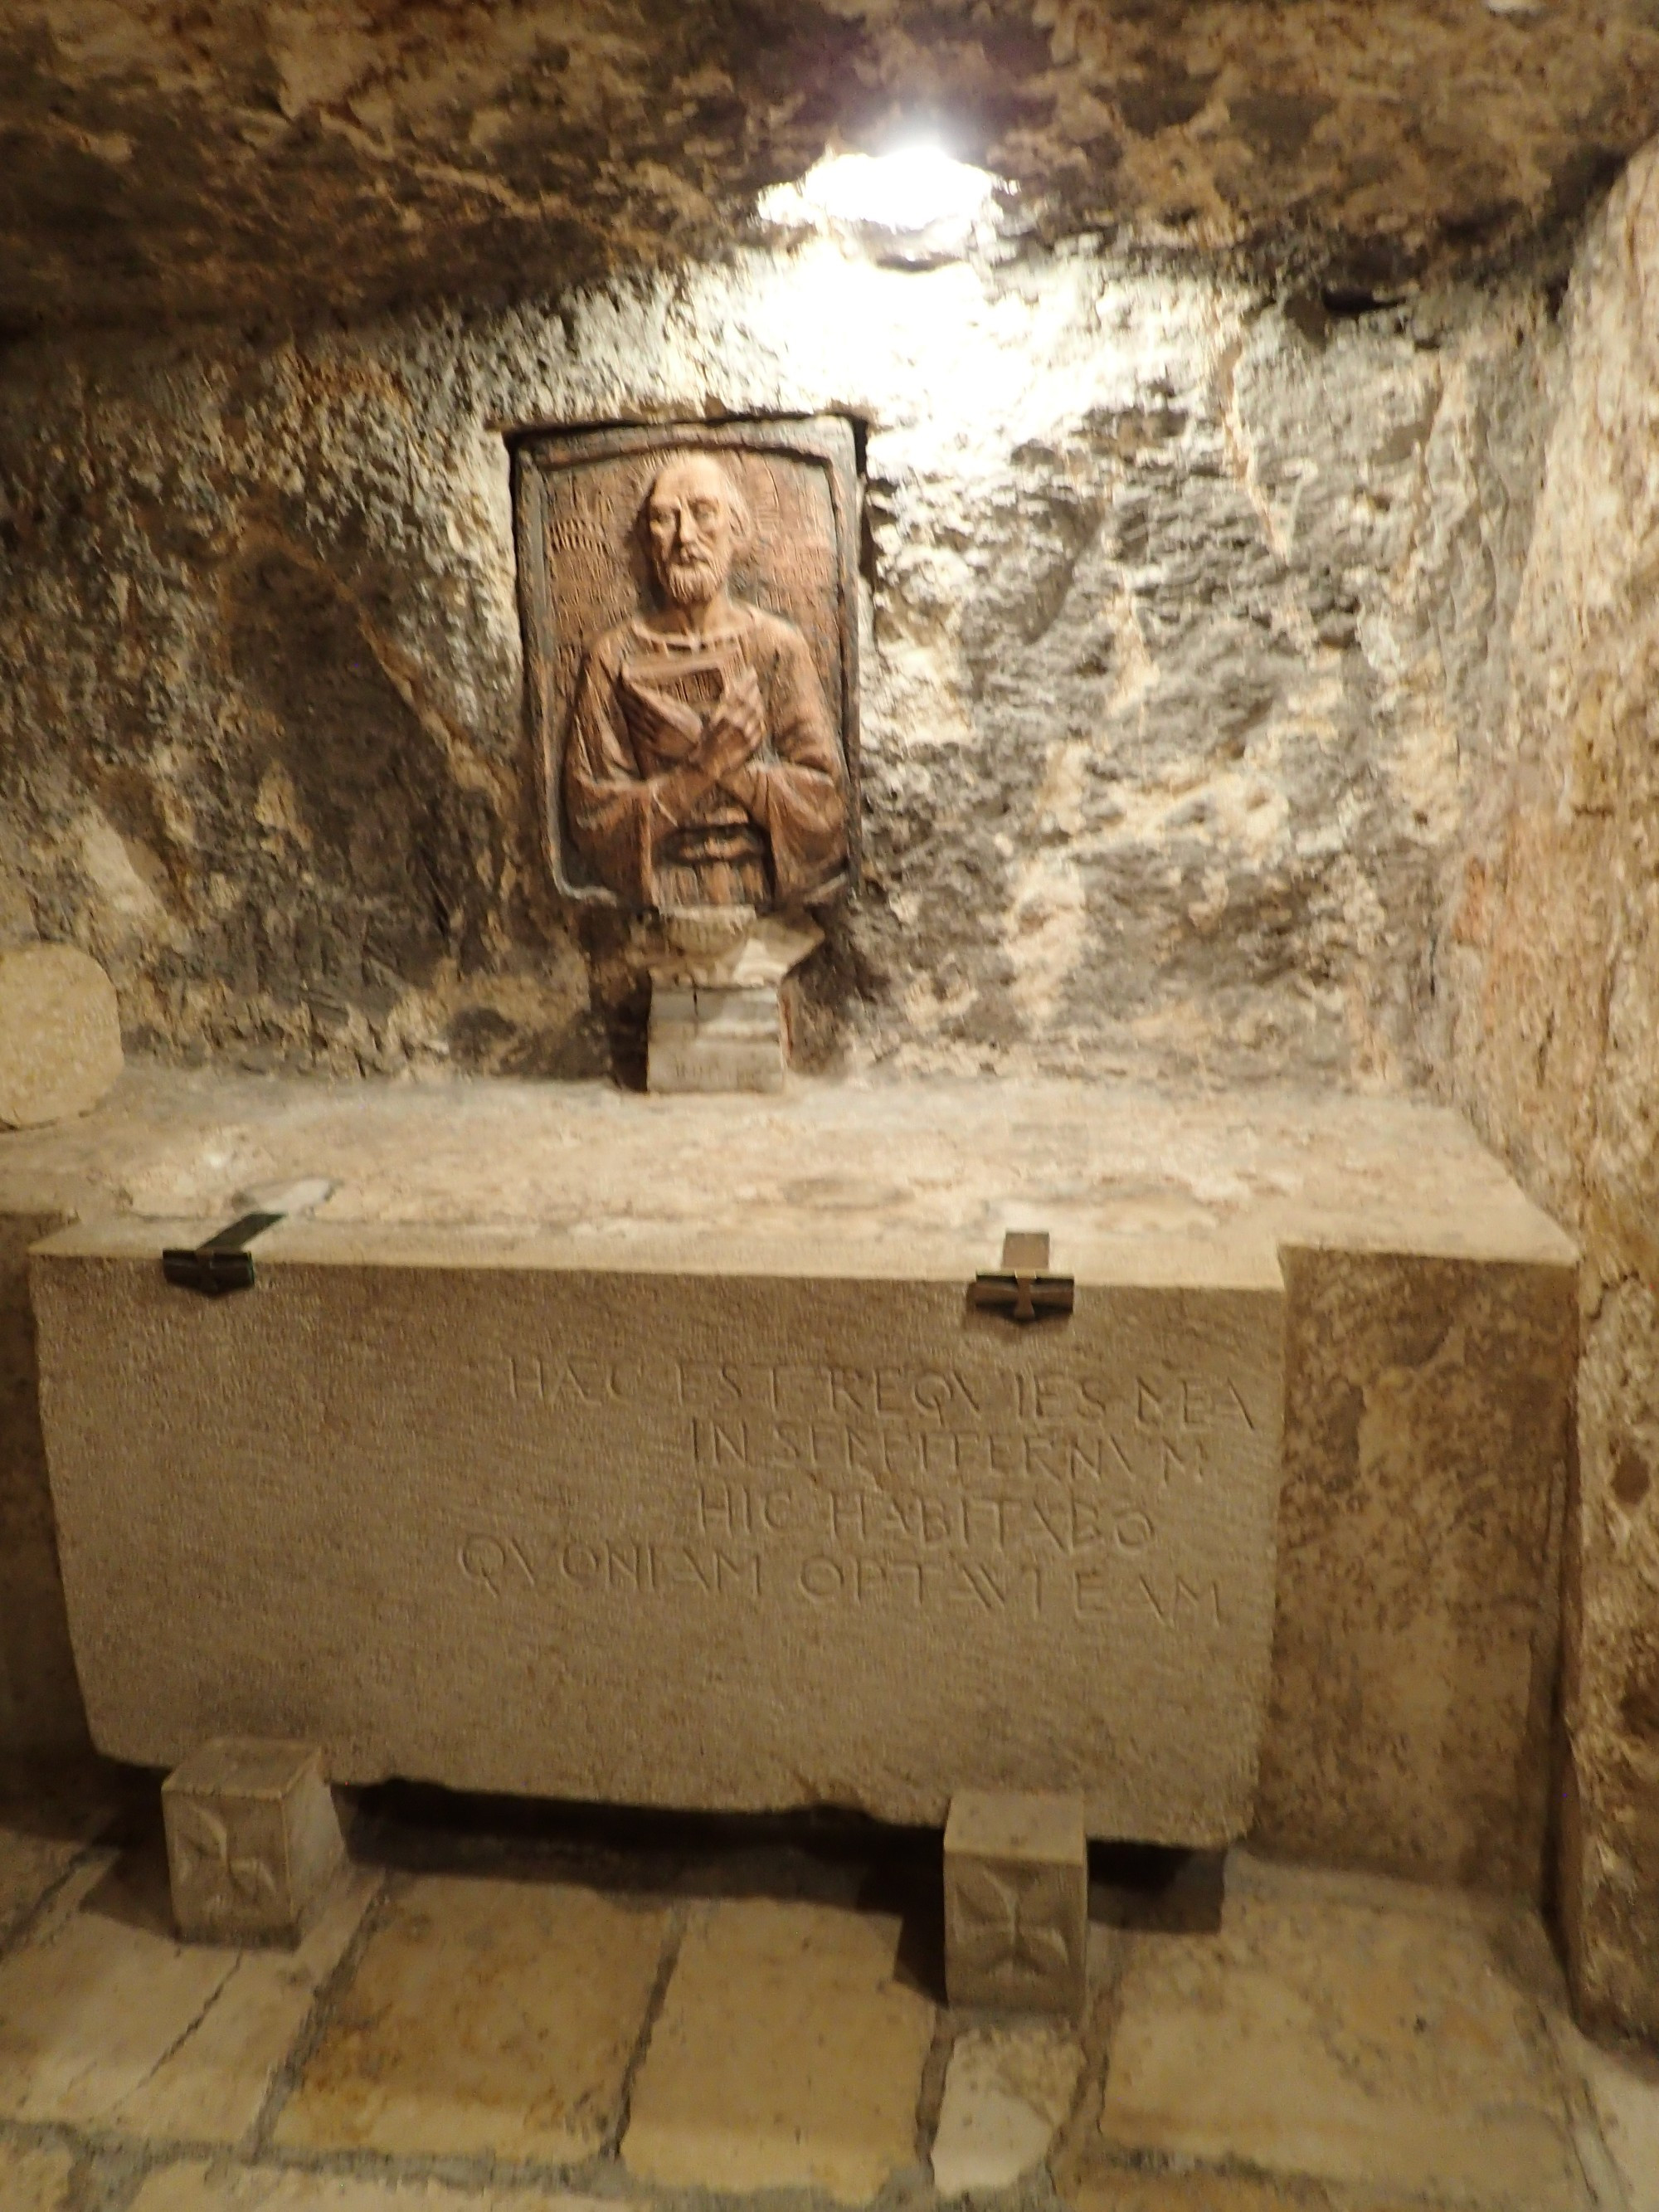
point(906, 192)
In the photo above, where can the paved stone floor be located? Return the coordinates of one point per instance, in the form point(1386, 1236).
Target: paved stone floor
point(507, 2008)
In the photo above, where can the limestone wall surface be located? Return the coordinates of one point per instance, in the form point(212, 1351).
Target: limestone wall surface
point(1187, 619)
point(1552, 963)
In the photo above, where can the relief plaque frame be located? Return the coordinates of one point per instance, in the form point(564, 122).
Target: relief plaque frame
point(583, 567)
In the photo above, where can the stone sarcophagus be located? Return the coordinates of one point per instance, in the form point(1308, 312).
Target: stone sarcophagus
point(465, 1506)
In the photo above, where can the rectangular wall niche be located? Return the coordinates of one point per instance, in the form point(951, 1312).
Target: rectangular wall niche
point(593, 597)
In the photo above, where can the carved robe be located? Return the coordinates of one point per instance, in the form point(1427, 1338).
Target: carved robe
point(770, 834)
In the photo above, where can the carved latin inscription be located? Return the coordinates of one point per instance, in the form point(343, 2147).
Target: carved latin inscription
point(928, 1489)
point(676, 1540)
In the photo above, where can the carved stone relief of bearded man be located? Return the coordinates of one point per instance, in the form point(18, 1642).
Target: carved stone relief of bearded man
point(702, 767)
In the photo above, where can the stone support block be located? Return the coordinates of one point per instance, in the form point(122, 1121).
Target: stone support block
point(715, 1037)
point(1017, 1902)
point(253, 1839)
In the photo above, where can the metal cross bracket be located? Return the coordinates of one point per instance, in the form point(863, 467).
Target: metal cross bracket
point(223, 1263)
point(1022, 1289)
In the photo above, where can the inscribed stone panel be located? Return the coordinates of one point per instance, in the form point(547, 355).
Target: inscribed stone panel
point(671, 1539)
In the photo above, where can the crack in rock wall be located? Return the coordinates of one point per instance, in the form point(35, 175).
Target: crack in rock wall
point(1551, 962)
point(1187, 621)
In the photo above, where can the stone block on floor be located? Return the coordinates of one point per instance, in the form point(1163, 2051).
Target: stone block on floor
point(486, 2017)
point(788, 2055)
point(253, 1839)
point(1017, 1902)
point(106, 2020)
point(1007, 2090)
point(1392, 2049)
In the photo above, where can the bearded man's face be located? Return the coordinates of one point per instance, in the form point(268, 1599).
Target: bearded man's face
point(693, 531)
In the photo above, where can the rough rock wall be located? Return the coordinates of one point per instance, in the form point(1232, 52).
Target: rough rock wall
point(266, 158)
point(1187, 619)
point(1553, 964)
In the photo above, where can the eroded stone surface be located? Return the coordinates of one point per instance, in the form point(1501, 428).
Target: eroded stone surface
point(1343, 2041)
point(1426, 1450)
point(484, 2017)
point(709, 1495)
point(788, 2054)
point(41, 1714)
point(1007, 2089)
point(1551, 964)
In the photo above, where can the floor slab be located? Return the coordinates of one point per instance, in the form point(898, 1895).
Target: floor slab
point(1127, 2192)
point(1623, 2086)
point(788, 2055)
point(195, 2187)
point(1322, 2037)
point(106, 2020)
point(485, 2016)
point(36, 2180)
point(1007, 2089)
point(31, 1867)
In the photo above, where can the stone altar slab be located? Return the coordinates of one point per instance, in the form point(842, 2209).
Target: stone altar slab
point(1430, 1334)
point(456, 1508)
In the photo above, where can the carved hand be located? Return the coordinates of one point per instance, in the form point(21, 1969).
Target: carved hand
point(733, 734)
point(736, 729)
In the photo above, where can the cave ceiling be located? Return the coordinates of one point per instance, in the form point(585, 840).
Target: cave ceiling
point(264, 160)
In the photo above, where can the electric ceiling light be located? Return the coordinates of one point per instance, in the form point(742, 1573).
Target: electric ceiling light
point(915, 190)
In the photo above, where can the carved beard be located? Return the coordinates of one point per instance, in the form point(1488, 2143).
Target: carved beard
point(692, 581)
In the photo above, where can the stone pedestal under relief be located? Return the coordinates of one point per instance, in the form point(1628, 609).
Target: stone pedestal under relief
point(717, 1016)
